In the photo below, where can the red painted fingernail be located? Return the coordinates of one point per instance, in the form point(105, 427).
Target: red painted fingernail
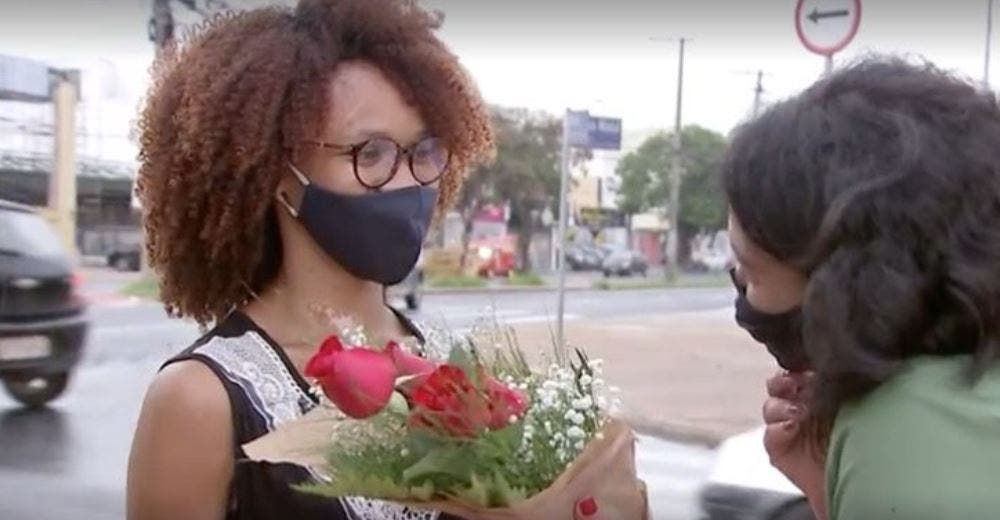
point(588, 507)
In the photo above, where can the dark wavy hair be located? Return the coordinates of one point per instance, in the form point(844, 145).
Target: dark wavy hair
point(238, 96)
point(881, 182)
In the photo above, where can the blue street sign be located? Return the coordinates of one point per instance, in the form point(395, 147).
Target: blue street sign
point(595, 133)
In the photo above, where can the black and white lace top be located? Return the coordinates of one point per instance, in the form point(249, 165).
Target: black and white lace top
point(264, 392)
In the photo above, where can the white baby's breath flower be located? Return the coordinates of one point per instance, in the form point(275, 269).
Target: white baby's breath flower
point(579, 445)
point(575, 432)
point(585, 380)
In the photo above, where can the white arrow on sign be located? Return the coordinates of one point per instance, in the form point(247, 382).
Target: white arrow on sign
point(827, 26)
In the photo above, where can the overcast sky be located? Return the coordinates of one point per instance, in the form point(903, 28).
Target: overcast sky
point(615, 58)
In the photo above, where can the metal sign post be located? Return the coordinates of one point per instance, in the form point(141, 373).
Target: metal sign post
point(580, 130)
point(825, 27)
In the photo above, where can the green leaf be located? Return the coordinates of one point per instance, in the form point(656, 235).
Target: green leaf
point(455, 461)
point(502, 494)
point(398, 405)
point(373, 486)
point(507, 439)
point(476, 494)
point(462, 358)
point(492, 491)
point(422, 441)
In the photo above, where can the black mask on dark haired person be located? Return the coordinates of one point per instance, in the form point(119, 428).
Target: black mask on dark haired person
point(780, 333)
point(376, 236)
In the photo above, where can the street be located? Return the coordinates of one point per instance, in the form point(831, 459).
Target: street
point(69, 461)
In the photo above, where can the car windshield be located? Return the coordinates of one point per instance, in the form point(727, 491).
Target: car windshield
point(27, 234)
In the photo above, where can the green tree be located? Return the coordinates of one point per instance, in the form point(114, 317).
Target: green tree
point(524, 175)
point(645, 185)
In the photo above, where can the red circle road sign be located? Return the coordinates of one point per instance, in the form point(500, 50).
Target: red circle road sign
point(827, 26)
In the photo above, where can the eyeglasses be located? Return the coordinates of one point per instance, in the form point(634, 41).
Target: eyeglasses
point(377, 160)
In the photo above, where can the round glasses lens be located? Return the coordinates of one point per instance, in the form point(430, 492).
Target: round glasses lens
point(375, 161)
point(430, 159)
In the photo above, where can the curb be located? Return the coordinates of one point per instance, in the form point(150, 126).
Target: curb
point(673, 432)
point(500, 289)
point(549, 288)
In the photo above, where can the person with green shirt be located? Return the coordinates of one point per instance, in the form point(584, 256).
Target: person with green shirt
point(865, 225)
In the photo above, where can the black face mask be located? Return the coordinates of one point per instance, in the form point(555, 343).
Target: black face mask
point(780, 333)
point(377, 236)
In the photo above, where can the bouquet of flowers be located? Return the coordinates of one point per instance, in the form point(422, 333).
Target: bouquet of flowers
point(462, 425)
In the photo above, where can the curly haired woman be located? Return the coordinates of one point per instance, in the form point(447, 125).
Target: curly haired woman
point(866, 226)
point(290, 158)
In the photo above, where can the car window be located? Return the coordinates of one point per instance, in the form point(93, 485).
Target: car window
point(27, 234)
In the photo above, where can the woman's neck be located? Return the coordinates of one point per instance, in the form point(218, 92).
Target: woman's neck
point(300, 307)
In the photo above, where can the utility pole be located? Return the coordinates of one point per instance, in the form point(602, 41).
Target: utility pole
point(676, 174)
point(62, 183)
point(758, 90)
point(989, 44)
point(561, 351)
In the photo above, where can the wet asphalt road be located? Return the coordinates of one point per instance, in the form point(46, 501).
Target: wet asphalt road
point(68, 461)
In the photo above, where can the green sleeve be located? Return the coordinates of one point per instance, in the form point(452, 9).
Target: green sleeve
point(921, 446)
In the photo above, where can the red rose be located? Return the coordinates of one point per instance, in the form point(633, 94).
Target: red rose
point(448, 402)
point(408, 364)
point(358, 381)
point(504, 403)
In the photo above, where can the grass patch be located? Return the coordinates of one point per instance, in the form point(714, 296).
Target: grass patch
point(456, 282)
point(526, 279)
point(145, 287)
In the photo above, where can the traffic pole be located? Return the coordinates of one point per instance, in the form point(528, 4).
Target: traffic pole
point(562, 350)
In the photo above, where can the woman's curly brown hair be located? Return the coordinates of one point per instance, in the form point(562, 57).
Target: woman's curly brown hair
point(233, 101)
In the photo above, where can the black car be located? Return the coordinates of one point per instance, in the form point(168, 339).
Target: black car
point(125, 259)
point(42, 318)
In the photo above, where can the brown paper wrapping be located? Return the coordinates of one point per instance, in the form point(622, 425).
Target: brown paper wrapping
point(605, 471)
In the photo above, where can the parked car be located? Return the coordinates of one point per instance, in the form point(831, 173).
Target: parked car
point(744, 486)
point(624, 263)
point(125, 259)
point(584, 258)
point(43, 325)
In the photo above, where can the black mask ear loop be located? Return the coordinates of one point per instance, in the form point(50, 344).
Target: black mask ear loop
point(283, 197)
point(741, 287)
